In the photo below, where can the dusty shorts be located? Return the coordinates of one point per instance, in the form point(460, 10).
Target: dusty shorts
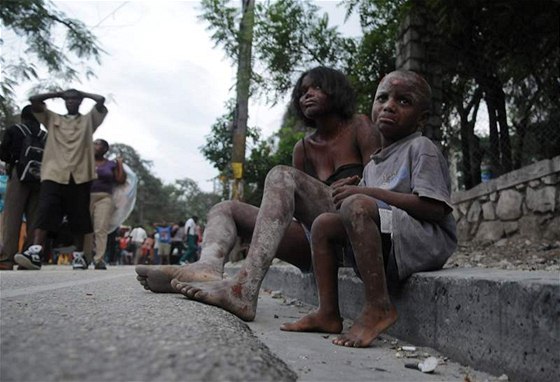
point(58, 200)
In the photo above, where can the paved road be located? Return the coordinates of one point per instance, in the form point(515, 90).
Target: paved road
point(63, 325)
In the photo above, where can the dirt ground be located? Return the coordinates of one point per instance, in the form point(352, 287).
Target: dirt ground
point(511, 254)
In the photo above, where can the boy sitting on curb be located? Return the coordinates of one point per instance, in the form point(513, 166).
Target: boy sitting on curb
point(397, 220)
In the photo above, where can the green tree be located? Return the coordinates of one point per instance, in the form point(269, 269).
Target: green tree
point(192, 201)
point(159, 202)
point(219, 143)
point(38, 21)
point(503, 53)
point(289, 36)
point(511, 51)
point(274, 151)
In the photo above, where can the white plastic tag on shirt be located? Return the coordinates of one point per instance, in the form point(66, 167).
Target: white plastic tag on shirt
point(386, 219)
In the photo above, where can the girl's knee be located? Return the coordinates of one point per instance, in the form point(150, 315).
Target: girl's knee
point(224, 206)
point(279, 175)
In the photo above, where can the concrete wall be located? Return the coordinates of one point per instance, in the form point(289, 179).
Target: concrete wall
point(523, 203)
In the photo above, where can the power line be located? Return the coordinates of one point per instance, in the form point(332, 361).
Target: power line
point(110, 14)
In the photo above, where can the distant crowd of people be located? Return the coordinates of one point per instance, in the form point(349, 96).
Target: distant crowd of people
point(165, 244)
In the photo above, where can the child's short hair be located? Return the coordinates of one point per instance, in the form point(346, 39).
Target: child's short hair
point(342, 99)
point(422, 86)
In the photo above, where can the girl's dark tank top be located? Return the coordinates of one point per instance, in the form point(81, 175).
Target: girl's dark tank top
point(341, 172)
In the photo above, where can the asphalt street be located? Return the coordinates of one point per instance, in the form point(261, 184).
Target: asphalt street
point(63, 325)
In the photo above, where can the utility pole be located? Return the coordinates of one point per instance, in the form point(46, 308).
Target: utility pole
point(242, 105)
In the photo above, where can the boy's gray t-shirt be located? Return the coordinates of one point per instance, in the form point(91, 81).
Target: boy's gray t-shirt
point(415, 165)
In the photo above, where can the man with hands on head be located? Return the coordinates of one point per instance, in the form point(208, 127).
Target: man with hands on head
point(67, 171)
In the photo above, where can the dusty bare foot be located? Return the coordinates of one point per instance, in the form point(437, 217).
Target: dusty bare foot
point(157, 278)
point(372, 322)
point(231, 295)
point(315, 322)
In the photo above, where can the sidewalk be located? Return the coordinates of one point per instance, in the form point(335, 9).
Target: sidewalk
point(502, 322)
point(63, 325)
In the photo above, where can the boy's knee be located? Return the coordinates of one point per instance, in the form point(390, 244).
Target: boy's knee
point(321, 224)
point(358, 206)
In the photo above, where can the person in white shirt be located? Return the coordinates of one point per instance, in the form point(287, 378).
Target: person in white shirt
point(137, 237)
point(191, 235)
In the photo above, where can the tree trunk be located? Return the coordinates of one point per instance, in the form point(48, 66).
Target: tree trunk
point(465, 148)
point(242, 107)
point(494, 149)
point(505, 144)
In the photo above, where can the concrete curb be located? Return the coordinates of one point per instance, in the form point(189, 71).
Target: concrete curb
point(493, 320)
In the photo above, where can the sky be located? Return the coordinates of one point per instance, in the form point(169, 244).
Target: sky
point(164, 80)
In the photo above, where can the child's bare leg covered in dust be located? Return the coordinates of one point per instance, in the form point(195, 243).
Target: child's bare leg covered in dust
point(358, 222)
point(328, 237)
point(288, 193)
point(226, 221)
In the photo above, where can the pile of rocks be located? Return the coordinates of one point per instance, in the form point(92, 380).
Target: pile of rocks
point(511, 254)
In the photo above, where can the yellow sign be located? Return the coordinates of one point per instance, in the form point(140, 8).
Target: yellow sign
point(237, 168)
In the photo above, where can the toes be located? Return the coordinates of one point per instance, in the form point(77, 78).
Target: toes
point(343, 342)
point(184, 288)
point(195, 293)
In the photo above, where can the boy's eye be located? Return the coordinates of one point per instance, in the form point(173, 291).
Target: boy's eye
point(381, 98)
point(404, 101)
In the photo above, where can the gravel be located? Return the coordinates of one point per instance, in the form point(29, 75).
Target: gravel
point(510, 254)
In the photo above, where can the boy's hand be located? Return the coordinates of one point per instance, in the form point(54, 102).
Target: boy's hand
point(342, 192)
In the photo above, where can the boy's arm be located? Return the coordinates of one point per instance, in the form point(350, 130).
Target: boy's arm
point(415, 206)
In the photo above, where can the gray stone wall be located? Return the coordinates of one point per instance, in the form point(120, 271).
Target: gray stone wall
point(523, 203)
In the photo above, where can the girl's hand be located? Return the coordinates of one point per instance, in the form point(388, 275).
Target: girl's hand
point(352, 181)
point(342, 192)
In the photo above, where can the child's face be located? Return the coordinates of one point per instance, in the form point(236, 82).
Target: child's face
point(397, 109)
point(313, 101)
